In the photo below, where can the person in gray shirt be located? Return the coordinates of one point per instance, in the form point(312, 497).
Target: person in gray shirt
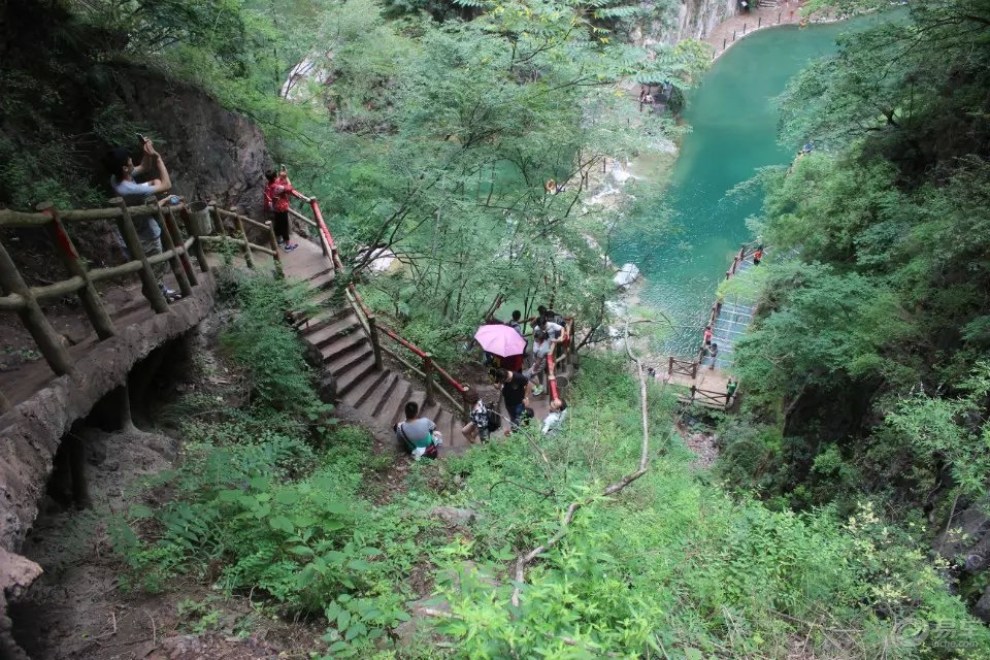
point(418, 435)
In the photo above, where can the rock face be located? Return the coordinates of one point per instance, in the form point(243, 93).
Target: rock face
point(211, 152)
point(692, 19)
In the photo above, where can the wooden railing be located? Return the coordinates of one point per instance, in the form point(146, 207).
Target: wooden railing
point(25, 300)
point(680, 366)
point(436, 379)
point(708, 397)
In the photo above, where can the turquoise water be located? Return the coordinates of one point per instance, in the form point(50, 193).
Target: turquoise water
point(734, 122)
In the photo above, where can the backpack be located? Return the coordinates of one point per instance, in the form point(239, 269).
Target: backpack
point(432, 451)
point(494, 421)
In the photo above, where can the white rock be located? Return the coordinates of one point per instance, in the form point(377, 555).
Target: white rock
point(628, 274)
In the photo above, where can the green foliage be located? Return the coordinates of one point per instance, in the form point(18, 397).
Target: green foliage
point(874, 314)
point(260, 339)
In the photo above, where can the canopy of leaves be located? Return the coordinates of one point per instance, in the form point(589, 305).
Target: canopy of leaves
point(877, 307)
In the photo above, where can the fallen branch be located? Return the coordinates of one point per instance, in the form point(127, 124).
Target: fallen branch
point(522, 561)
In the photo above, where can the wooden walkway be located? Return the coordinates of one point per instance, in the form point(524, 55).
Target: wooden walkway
point(707, 378)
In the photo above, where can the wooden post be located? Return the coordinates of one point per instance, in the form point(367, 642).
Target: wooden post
point(670, 366)
point(693, 391)
point(779, 14)
point(169, 245)
point(33, 318)
point(725, 40)
point(694, 368)
point(428, 370)
point(465, 406)
point(728, 274)
point(173, 228)
point(87, 294)
point(248, 257)
point(375, 341)
point(759, 22)
point(273, 242)
point(744, 28)
point(127, 230)
point(733, 36)
point(204, 265)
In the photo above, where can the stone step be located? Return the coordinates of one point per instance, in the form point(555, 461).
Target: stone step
point(371, 403)
point(390, 410)
point(340, 366)
point(342, 345)
point(366, 390)
point(355, 375)
point(333, 330)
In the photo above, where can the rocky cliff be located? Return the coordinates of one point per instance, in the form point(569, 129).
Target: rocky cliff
point(70, 94)
point(211, 152)
point(688, 19)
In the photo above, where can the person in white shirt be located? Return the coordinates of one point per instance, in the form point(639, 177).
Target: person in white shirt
point(555, 420)
point(124, 183)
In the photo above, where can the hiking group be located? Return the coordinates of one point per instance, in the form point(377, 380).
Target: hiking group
point(516, 372)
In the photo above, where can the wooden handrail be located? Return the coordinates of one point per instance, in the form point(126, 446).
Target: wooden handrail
point(25, 300)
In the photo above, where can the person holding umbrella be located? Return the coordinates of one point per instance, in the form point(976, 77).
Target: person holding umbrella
point(505, 343)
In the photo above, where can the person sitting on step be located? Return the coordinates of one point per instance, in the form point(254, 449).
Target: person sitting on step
point(417, 434)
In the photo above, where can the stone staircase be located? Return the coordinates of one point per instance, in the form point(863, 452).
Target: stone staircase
point(348, 354)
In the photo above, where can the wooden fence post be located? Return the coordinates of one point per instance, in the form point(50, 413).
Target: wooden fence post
point(33, 318)
point(204, 265)
point(693, 391)
point(670, 366)
point(694, 369)
point(169, 246)
point(173, 228)
point(273, 242)
point(127, 230)
point(428, 371)
point(248, 257)
point(375, 341)
point(88, 295)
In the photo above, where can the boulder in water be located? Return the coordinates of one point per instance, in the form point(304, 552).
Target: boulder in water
point(628, 274)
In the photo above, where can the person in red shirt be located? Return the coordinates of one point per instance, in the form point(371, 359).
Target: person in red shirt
point(758, 256)
point(277, 194)
point(708, 335)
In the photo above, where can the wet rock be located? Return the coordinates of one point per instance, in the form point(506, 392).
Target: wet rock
point(628, 274)
point(967, 530)
point(982, 608)
point(453, 515)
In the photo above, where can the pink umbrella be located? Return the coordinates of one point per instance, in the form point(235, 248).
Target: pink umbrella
point(501, 340)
